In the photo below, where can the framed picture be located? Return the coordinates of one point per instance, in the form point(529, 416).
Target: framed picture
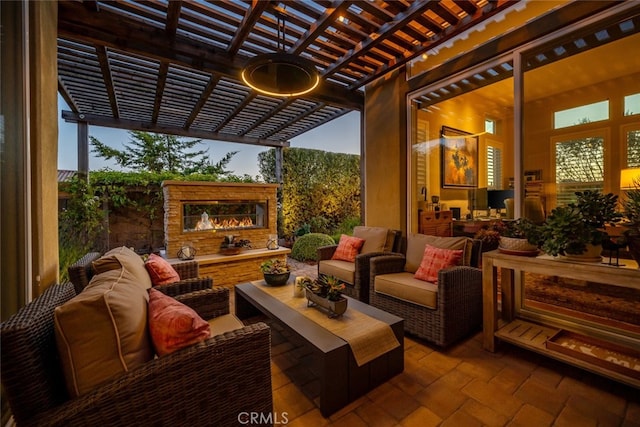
point(459, 158)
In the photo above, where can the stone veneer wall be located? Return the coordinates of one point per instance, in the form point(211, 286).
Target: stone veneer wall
point(208, 242)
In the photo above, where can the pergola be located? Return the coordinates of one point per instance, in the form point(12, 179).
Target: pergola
point(174, 66)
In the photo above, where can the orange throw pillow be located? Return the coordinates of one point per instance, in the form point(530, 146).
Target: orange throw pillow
point(348, 248)
point(160, 271)
point(434, 260)
point(174, 325)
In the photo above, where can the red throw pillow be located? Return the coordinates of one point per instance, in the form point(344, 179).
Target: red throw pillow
point(173, 325)
point(434, 260)
point(348, 248)
point(160, 271)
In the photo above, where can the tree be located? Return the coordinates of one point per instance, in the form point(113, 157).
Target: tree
point(158, 153)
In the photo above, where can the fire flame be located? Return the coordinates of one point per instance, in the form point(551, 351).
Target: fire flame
point(224, 224)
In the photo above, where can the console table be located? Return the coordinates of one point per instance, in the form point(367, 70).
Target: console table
point(531, 330)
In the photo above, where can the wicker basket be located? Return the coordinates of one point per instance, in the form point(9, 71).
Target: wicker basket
point(516, 245)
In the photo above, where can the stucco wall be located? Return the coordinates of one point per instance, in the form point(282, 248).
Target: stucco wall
point(43, 22)
point(385, 153)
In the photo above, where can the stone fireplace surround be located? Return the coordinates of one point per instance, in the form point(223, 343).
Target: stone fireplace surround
point(226, 270)
point(207, 242)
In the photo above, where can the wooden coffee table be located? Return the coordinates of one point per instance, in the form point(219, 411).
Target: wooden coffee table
point(341, 379)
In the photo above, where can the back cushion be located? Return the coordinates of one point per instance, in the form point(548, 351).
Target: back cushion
point(124, 257)
point(375, 238)
point(102, 332)
point(160, 271)
point(416, 244)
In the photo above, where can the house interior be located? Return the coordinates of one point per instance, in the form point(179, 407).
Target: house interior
point(464, 104)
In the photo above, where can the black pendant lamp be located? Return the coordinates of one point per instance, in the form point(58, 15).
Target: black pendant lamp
point(280, 73)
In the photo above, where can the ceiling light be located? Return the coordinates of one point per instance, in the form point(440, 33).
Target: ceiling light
point(280, 73)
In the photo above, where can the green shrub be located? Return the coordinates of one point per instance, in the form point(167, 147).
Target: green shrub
point(345, 227)
point(306, 247)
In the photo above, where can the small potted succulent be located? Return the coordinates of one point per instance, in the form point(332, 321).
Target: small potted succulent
point(276, 272)
point(326, 292)
point(232, 246)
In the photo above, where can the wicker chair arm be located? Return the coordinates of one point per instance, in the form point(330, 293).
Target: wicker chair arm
point(326, 252)
point(186, 286)
point(80, 271)
point(204, 384)
point(187, 269)
point(385, 264)
point(460, 283)
point(208, 303)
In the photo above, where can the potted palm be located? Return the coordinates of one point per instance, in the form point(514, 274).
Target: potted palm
point(276, 272)
point(577, 230)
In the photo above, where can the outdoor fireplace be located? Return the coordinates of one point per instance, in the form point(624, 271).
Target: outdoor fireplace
point(200, 214)
point(224, 215)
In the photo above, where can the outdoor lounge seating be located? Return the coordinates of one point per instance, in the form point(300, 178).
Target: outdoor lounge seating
point(355, 275)
point(81, 272)
point(204, 383)
point(441, 312)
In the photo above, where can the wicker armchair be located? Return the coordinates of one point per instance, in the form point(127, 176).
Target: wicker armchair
point(80, 274)
point(458, 302)
point(209, 383)
point(355, 275)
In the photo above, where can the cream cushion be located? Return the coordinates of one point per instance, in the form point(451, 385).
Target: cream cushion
point(102, 332)
point(128, 259)
point(416, 244)
point(405, 287)
point(375, 238)
point(343, 270)
point(225, 323)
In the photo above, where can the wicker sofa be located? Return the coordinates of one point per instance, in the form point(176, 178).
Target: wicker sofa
point(441, 313)
point(355, 275)
point(208, 383)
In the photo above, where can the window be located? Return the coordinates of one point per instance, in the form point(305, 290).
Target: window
point(490, 126)
point(579, 167)
point(632, 104)
point(580, 115)
point(494, 167)
point(633, 148)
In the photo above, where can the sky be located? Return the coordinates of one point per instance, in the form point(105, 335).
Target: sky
point(341, 135)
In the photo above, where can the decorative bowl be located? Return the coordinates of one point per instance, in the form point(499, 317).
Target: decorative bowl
point(276, 279)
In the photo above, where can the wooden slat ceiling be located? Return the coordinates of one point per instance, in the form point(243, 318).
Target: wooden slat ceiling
point(174, 66)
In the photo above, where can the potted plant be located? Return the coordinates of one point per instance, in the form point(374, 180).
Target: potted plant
point(232, 246)
point(631, 217)
point(326, 292)
point(521, 237)
point(276, 272)
point(577, 230)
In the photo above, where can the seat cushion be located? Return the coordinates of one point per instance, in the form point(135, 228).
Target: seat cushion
point(123, 257)
point(225, 323)
point(348, 248)
point(343, 270)
point(102, 332)
point(174, 325)
point(406, 287)
point(160, 271)
point(375, 238)
point(416, 244)
point(436, 259)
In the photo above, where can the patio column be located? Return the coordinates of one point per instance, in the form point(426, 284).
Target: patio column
point(83, 149)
